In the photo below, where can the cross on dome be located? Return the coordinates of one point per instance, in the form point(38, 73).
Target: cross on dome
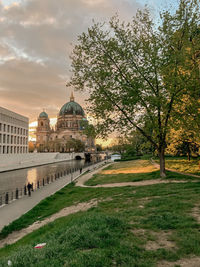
point(72, 97)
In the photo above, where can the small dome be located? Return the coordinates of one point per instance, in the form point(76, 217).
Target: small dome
point(71, 108)
point(43, 115)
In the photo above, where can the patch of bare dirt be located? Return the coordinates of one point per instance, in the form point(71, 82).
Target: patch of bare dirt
point(141, 183)
point(15, 236)
point(138, 231)
point(190, 262)
point(196, 213)
point(162, 240)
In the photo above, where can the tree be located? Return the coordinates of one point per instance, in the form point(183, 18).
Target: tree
point(119, 144)
point(99, 148)
point(182, 142)
point(137, 73)
point(139, 144)
point(31, 146)
point(75, 144)
point(88, 129)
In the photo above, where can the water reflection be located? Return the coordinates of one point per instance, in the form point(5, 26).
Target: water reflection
point(11, 180)
point(32, 175)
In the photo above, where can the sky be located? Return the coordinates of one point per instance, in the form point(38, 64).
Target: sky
point(36, 40)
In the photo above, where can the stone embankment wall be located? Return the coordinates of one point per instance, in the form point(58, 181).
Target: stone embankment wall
point(18, 161)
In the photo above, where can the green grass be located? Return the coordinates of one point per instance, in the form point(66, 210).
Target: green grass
point(99, 179)
point(121, 178)
point(105, 235)
point(183, 165)
point(128, 165)
point(67, 196)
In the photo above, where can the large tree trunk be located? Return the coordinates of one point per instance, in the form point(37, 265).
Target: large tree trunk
point(188, 151)
point(161, 153)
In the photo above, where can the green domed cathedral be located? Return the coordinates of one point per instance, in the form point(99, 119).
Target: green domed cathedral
point(69, 127)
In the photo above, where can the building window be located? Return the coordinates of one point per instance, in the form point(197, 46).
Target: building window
point(4, 138)
point(0, 126)
point(7, 149)
point(8, 127)
point(41, 123)
point(11, 141)
point(11, 129)
point(4, 127)
point(15, 130)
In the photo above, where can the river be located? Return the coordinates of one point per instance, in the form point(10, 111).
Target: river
point(11, 180)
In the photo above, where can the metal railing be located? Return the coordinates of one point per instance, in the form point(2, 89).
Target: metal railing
point(9, 196)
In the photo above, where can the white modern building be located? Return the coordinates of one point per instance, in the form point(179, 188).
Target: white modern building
point(13, 132)
point(115, 156)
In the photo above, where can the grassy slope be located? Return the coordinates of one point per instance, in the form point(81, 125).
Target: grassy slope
point(103, 236)
point(183, 165)
point(116, 173)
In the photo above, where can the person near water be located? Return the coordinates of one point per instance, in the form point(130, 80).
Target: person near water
point(29, 186)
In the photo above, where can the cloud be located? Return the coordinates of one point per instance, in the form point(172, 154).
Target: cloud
point(36, 39)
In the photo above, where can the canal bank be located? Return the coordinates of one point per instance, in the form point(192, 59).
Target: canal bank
point(14, 182)
point(10, 162)
point(17, 208)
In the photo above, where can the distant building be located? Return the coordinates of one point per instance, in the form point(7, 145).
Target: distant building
point(13, 132)
point(69, 126)
point(115, 156)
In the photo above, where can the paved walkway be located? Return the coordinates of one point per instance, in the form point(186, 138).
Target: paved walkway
point(17, 208)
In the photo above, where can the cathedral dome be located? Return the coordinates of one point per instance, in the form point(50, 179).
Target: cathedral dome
point(43, 115)
point(71, 108)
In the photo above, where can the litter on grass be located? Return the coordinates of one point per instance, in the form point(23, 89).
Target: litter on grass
point(40, 245)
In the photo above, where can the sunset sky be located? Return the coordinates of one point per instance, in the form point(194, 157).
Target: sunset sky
point(36, 39)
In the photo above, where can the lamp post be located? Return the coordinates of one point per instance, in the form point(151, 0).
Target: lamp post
point(71, 175)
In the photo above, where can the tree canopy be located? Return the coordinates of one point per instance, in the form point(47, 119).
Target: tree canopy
point(138, 73)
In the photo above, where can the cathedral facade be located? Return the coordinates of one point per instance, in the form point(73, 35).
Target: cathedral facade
point(69, 130)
